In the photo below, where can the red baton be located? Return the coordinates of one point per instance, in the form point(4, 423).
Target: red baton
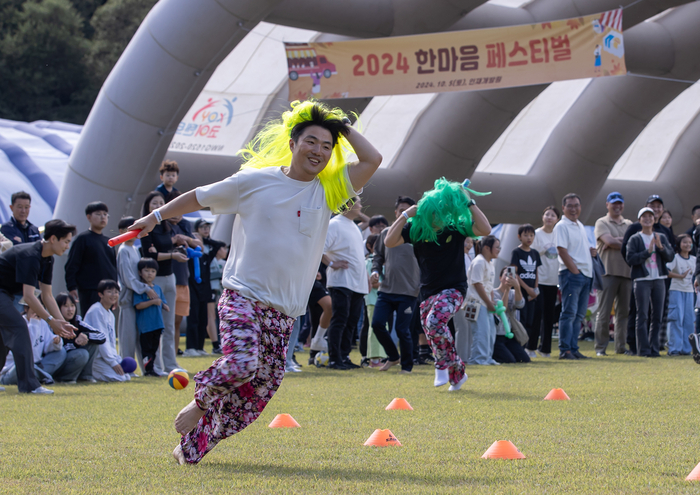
point(123, 237)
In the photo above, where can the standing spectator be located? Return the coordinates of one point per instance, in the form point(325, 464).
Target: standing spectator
point(158, 245)
point(169, 174)
point(149, 315)
point(130, 283)
point(18, 229)
point(575, 275)
point(22, 269)
point(90, 258)
point(481, 277)
point(321, 311)
point(527, 262)
point(343, 253)
point(656, 204)
point(548, 278)
point(694, 230)
point(371, 350)
point(666, 220)
point(397, 294)
point(216, 273)
point(617, 285)
point(647, 254)
point(198, 325)
point(107, 364)
point(680, 306)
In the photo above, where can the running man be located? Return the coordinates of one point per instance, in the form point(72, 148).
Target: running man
point(295, 175)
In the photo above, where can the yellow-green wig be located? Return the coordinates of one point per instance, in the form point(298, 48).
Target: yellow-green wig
point(445, 205)
point(270, 147)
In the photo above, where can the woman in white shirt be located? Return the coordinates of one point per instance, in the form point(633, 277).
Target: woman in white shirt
point(548, 276)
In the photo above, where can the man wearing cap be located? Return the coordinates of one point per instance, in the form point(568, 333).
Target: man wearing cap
point(617, 285)
point(647, 254)
point(656, 204)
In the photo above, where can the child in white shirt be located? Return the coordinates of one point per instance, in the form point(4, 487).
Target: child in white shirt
point(680, 298)
point(107, 364)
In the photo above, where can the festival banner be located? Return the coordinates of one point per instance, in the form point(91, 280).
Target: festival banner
point(583, 47)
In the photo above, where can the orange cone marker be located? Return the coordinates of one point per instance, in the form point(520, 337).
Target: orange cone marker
point(284, 421)
point(399, 404)
point(382, 438)
point(694, 474)
point(557, 394)
point(503, 449)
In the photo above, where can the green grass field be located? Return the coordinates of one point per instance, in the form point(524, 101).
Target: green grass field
point(631, 427)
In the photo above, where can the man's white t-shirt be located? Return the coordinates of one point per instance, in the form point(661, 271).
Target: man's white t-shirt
point(572, 236)
point(344, 242)
point(278, 235)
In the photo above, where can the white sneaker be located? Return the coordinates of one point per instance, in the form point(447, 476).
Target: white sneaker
point(454, 388)
point(191, 353)
point(442, 377)
point(2, 389)
point(291, 369)
point(42, 391)
point(530, 353)
point(543, 354)
point(202, 352)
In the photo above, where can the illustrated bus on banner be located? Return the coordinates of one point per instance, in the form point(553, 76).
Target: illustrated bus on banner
point(303, 61)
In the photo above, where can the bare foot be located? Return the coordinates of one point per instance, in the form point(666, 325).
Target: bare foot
point(188, 418)
point(389, 364)
point(179, 455)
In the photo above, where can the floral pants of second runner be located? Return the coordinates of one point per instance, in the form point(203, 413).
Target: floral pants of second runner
point(435, 312)
point(238, 385)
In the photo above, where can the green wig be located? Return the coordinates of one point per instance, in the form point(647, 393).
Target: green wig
point(270, 147)
point(445, 205)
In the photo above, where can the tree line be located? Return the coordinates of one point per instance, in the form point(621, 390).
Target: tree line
point(55, 54)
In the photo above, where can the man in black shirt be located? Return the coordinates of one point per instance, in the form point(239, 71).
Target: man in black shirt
point(90, 259)
point(22, 269)
point(18, 229)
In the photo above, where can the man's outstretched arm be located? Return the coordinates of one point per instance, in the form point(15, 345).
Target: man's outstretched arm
point(368, 158)
point(187, 203)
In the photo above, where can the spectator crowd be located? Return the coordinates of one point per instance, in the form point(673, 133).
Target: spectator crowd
point(376, 288)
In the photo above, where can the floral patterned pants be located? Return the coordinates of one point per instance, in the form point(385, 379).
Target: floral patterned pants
point(238, 385)
point(435, 312)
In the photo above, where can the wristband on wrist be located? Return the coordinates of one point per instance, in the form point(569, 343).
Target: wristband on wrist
point(405, 215)
point(48, 319)
point(156, 213)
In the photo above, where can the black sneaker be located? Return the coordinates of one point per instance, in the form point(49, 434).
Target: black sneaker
point(179, 351)
point(364, 362)
point(294, 359)
point(217, 350)
point(695, 346)
point(337, 366)
point(630, 353)
point(567, 355)
point(578, 355)
point(350, 365)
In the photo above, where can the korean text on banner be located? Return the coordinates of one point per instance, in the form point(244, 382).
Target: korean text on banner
point(590, 46)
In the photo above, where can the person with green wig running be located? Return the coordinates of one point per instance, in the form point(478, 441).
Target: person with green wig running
point(295, 175)
point(437, 227)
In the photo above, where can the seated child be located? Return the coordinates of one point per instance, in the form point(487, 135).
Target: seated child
point(507, 350)
point(107, 364)
point(149, 317)
point(46, 347)
point(81, 350)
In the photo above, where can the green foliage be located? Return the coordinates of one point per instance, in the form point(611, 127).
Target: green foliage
point(629, 428)
point(55, 54)
point(115, 24)
point(42, 62)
